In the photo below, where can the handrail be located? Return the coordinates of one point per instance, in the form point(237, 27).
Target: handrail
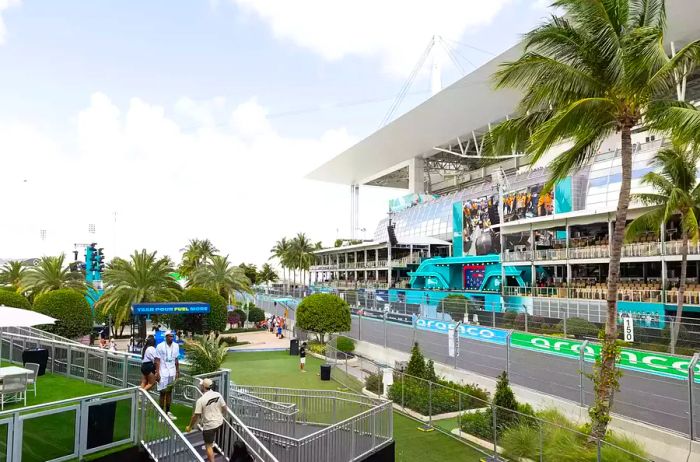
point(265, 452)
point(171, 427)
point(67, 401)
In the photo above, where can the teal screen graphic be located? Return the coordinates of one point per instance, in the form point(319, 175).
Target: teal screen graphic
point(457, 230)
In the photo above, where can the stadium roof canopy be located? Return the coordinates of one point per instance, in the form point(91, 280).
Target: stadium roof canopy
point(464, 109)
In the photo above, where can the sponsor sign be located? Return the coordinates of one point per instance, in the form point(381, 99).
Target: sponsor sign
point(484, 334)
point(643, 361)
point(170, 308)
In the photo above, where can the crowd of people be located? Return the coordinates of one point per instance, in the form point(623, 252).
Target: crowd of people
point(276, 325)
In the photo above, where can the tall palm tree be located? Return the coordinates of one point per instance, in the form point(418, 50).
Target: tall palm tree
point(51, 273)
point(197, 253)
point(222, 277)
point(301, 249)
point(145, 277)
point(267, 274)
point(677, 192)
point(598, 70)
point(281, 251)
point(11, 274)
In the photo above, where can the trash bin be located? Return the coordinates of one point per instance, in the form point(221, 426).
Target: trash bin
point(294, 347)
point(325, 372)
point(101, 424)
point(39, 356)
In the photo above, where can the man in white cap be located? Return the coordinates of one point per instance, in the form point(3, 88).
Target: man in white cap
point(210, 409)
point(167, 370)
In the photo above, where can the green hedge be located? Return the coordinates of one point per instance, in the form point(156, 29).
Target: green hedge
point(13, 299)
point(215, 321)
point(416, 395)
point(345, 344)
point(323, 314)
point(579, 327)
point(375, 383)
point(69, 307)
point(255, 314)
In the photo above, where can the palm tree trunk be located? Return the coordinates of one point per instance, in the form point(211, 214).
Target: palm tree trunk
point(605, 374)
point(681, 292)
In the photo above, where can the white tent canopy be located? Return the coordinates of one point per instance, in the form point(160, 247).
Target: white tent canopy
point(18, 317)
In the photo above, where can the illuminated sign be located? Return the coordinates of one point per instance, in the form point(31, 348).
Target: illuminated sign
point(170, 308)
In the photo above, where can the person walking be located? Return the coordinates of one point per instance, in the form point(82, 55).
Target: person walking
point(210, 409)
point(302, 356)
point(167, 370)
point(148, 367)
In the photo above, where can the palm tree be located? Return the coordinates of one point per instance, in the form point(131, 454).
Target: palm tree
point(598, 70)
point(281, 251)
point(11, 274)
point(197, 253)
point(267, 274)
point(222, 277)
point(145, 277)
point(51, 273)
point(677, 192)
point(301, 250)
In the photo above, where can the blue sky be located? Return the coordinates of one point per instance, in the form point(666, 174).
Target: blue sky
point(203, 115)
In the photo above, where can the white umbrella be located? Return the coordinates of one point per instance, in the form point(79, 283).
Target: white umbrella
point(17, 317)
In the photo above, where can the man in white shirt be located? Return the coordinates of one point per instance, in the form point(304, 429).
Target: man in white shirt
point(210, 409)
point(167, 371)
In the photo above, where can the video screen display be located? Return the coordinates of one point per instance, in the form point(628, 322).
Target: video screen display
point(479, 215)
point(527, 203)
point(474, 276)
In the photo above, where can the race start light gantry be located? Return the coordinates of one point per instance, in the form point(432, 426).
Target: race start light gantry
point(170, 308)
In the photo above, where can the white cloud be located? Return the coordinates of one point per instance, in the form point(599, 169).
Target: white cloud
point(5, 4)
point(237, 182)
point(395, 31)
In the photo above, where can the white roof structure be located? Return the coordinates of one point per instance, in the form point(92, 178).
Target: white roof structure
point(463, 109)
point(408, 241)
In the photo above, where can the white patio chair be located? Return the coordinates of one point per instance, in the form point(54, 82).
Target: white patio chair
point(32, 378)
point(13, 384)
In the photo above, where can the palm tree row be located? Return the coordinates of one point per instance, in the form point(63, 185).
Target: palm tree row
point(49, 273)
point(598, 70)
point(295, 254)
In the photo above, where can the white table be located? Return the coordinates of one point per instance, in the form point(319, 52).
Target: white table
point(13, 370)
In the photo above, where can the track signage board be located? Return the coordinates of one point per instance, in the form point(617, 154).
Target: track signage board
point(643, 361)
point(170, 308)
point(468, 331)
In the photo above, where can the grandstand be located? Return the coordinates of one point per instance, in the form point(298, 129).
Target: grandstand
point(459, 206)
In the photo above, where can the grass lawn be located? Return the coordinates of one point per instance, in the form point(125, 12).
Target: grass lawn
point(277, 368)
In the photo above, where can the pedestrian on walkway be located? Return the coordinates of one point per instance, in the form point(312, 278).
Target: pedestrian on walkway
point(302, 356)
point(167, 371)
point(209, 408)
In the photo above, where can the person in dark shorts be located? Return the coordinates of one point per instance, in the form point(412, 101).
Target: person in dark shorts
point(210, 408)
point(302, 356)
point(148, 366)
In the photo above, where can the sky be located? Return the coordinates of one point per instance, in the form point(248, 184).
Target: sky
point(160, 121)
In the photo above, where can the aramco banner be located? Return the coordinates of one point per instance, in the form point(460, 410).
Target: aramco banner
point(465, 330)
point(650, 362)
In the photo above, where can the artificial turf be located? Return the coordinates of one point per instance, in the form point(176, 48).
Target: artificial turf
point(279, 369)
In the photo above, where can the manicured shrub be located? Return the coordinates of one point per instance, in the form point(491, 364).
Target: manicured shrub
point(317, 347)
point(416, 365)
point(345, 344)
point(13, 299)
point(242, 316)
point(579, 327)
point(69, 307)
point(322, 314)
point(417, 395)
point(215, 321)
point(374, 383)
point(255, 314)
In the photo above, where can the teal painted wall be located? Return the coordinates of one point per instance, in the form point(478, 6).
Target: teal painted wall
point(457, 230)
point(563, 196)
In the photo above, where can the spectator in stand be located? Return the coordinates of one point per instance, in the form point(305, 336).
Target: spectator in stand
point(302, 356)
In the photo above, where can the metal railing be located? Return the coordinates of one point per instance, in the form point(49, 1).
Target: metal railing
point(338, 426)
point(449, 408)
point(38, 333)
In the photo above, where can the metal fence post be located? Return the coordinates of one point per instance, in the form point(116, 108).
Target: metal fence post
point(86, 364)
point(599, 457)
point(69, 360)
point(566, 313)
point(403, 406)
point(430, 404)
point(526, 321)
point(495, 435)
point(691, 384)
point(125, 372)
point(541, 442)
point(493, 317)
point(105, 368)
point(582, 365)
point(385, 329)
point(510, 332)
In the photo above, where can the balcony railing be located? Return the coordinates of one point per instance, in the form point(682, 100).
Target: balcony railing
point(640, 249)
point(597, 293)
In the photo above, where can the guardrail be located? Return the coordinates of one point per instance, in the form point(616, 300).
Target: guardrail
point(348, 426)
point(34, 332)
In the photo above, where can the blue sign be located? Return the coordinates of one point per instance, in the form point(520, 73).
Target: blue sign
point(467, 331)
point(170, 308)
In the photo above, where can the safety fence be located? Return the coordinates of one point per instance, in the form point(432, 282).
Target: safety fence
point(656, 387)
point(330, 425)
point(74, 428)
point(492, 429)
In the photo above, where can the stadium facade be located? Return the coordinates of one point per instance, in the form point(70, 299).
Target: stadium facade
point(488, 232)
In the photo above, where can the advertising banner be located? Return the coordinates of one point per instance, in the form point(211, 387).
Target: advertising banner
point(527, 203)
point(479, 215)
point(649, 362)
point(467, 331)
point(457, 230)
point(170, 308)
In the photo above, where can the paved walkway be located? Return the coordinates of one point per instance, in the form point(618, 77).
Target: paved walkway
point(262, 340)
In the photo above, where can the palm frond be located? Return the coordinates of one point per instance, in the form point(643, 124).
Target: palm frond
point(649, 222)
